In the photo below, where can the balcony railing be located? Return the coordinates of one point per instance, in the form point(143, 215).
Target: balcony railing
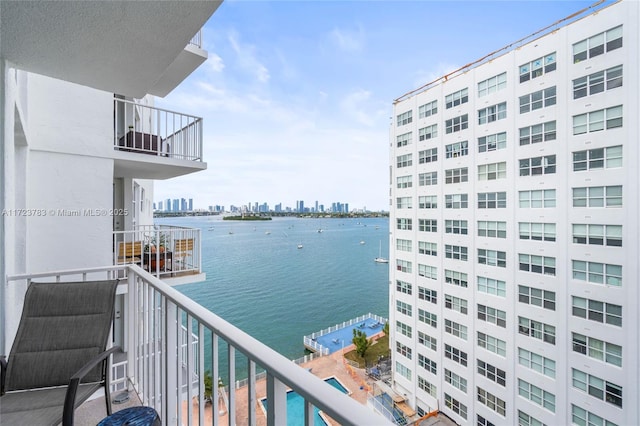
point(196, 40)
point(155, 131)
point(158, 320)
point(164, 251)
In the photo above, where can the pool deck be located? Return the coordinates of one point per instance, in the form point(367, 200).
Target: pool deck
point(327, 366)
point(334, 338)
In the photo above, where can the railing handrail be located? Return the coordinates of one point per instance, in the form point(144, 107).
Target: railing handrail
point(126, 101)
point(343, 409)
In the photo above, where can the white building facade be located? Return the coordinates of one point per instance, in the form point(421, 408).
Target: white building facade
point(514, 231)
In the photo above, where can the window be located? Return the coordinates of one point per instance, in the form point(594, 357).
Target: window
point(599, 158)
point(492, 113)
point(428, 156)
point(597, 273)
point(596, 121)
point(455, 406)
point(492, 142)
point(538, 133)
point(526, 420)
point(455, 380)
point(492, 286)
point(492, 171)
point(403, 139)
point(404, 245)
point(428, 202)
point(597, 44)
point(537, 362)
point(537, 231)
point(430, 249)
point(481, 421)
point(537, 330)
point(403, 370)
point(597, 82)
point(403, 265)
point(428, 341)
point(403, 224)
point(428, 225)
point(427, 387)
point(428, 179)
point(537, 264)
point(427, 295)
point(405, 118)
point(404, 181)
point(404, 161)
point(597, 387)
point(597, 349)
point(537, 395)
point(403, 328)
point(455, 278)
point(403, 287)
point(455, 354)
point(403, 350)
point(403, 308)
point(457, 98)
point(538, 67)
point(492, 315)
point(428, 318)
point(537, 100)
point(457, 124)
point(597, 311)
point(404, 202)
point(427, 364)
point(598, 196)
point(580, 416)
point(456, 329)
point(457, 149)
point(537, 297)
point(492, 373)
point(545, 165)
point(427, 271)
point(492, 85)
point(493, 402)
point(537, 199)
point(428, 132)
point(428, 109)
point(455, 252)
point(598, 235)
point(456, 304)
point(492, 229)
point(492, 344)
point(492, 200)
point(455, 227)
point(456, 201)
point(456, 175)
point(492, 258)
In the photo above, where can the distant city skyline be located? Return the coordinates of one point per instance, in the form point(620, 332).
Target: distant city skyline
point(186, 205)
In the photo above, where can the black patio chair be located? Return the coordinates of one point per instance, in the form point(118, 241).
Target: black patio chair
point(59, 357)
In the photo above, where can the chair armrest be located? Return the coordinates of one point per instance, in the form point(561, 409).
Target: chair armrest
point(3, 373)
point(74, 382)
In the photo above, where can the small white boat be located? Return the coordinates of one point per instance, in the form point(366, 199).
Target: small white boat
point(300, 246)
point(361, 242)
point(267, 233)
point(380, 259)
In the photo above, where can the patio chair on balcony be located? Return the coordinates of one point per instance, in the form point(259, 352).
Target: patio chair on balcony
point(183, 248)
point(59, 356)
point(129, 252)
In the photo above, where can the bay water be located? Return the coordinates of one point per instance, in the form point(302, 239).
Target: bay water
point(259, 279)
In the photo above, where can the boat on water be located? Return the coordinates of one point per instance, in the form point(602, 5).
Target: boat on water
point(267, 232)
point(300, 246)
point(380, 259)
point(361, 242)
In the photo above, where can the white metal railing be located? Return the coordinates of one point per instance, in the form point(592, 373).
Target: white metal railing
point(165, 251)
point(154, 317)
point(196, 40)
point(149, 130)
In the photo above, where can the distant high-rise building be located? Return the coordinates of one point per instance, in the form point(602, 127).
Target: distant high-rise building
point(300, 206)
point(190, 204)
point(167, 204)
point(176, 205)
point(514, 226)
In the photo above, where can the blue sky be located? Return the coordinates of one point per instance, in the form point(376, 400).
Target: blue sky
point(297, 96)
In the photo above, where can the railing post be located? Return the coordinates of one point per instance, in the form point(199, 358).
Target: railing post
point(172, 386)
point(130, 328)
point(276, 401)
point(232, 384)
point(251, 392)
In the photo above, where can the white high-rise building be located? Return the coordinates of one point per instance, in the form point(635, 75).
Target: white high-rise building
point(514, 231)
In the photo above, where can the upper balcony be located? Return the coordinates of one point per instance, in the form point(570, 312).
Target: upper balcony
point(155, 143)
point(128, 47)
point(163, 334)
point(171, 253)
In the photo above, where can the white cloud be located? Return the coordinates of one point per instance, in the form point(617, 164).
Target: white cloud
point(247, 59)
point(215, 63)
point(348, 40)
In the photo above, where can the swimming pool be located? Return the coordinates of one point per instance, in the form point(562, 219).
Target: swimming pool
point(295, 405)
